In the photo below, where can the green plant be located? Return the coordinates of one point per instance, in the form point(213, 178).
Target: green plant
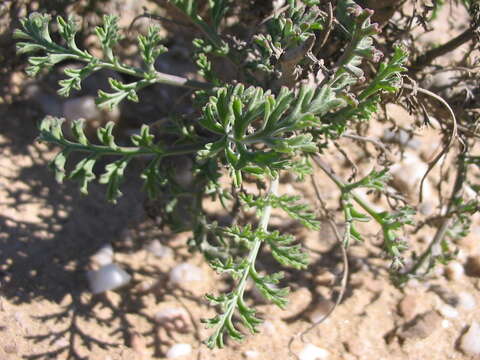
point(284, 108)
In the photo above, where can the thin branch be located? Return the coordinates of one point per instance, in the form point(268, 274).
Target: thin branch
point(453, 135)
point(429, 56)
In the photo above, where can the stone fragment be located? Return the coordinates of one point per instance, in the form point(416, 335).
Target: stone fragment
point(159, 250)
point(454, 271)
point(422, 326)
point(312, 352)
point(103, 256)
point(466, 301)
point(470, 341)
point(173, 319)
point(448, 311)
point(320, 310)
point(109, 277)
point(472, 267)
point(251, 354)
point(83, 107)
point(179, 350)
point(10, 348)
point(184, 273)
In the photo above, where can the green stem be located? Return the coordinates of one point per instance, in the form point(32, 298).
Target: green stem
point(250, 268)
point(120, 150)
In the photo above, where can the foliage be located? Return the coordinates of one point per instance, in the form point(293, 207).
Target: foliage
point(283, 108)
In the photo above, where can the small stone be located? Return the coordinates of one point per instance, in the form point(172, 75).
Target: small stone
point(10, 348)
point(173, 319)
point(466, 301)
point(407, 307)
point(185, 272)
point(422, 326)
point(83, 107)
point(408, 173)
point(269, 327)
point(104, 256)
point(469, 342)
point(320, 310)
point(454, 271)
point(159, 250)
point(179, 350)
point(472, 267)
point(251, 354)
point(106, 278)
point(448, 311)
point(312, 352)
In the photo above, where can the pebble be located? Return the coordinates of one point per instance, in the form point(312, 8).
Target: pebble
point(185, 272)
point(173, 319)
point(106, 278)
point(422, 326)
point(408, 174)
point(469, 342)
point(401, 137)
point(10, 348)
point(179, 350)
point(104, 256)
point(466, 301)
point(312, 352)
point(448, 311)
point(472, 267)
point(251, 354)
point(454, 271)
point(407, 307)
point(320, 311)
point(159, 250)
point(83, 107)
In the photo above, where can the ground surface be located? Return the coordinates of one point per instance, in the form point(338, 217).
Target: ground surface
point(48, 234)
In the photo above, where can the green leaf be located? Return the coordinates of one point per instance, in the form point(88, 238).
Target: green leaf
point(77, 130)
point(150, 47)
point(113, 177)
point(284, 252)
point(109, 35)
point(105, 135)
point(83, 173)
point(58, 165)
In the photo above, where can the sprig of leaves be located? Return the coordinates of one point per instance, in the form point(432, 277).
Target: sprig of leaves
point(51, 132)
point(35, 36)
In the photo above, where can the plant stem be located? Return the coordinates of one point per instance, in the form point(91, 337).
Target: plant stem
point(433, 248)
point(451, 45)
point(250, 267)
point(120, 150)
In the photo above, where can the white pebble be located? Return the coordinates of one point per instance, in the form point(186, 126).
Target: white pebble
point(185, 272)
point(251, 354)
point(106, 278)
point(83, 107)
point(170, 314)
point(269, 327)
point(445, 323)
point(448, 311)
point(454, 271)
point(104, 256)
point(466, 301)
point(470, 343)
point(178, 350)
point(159, 250)
point(312, 352)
